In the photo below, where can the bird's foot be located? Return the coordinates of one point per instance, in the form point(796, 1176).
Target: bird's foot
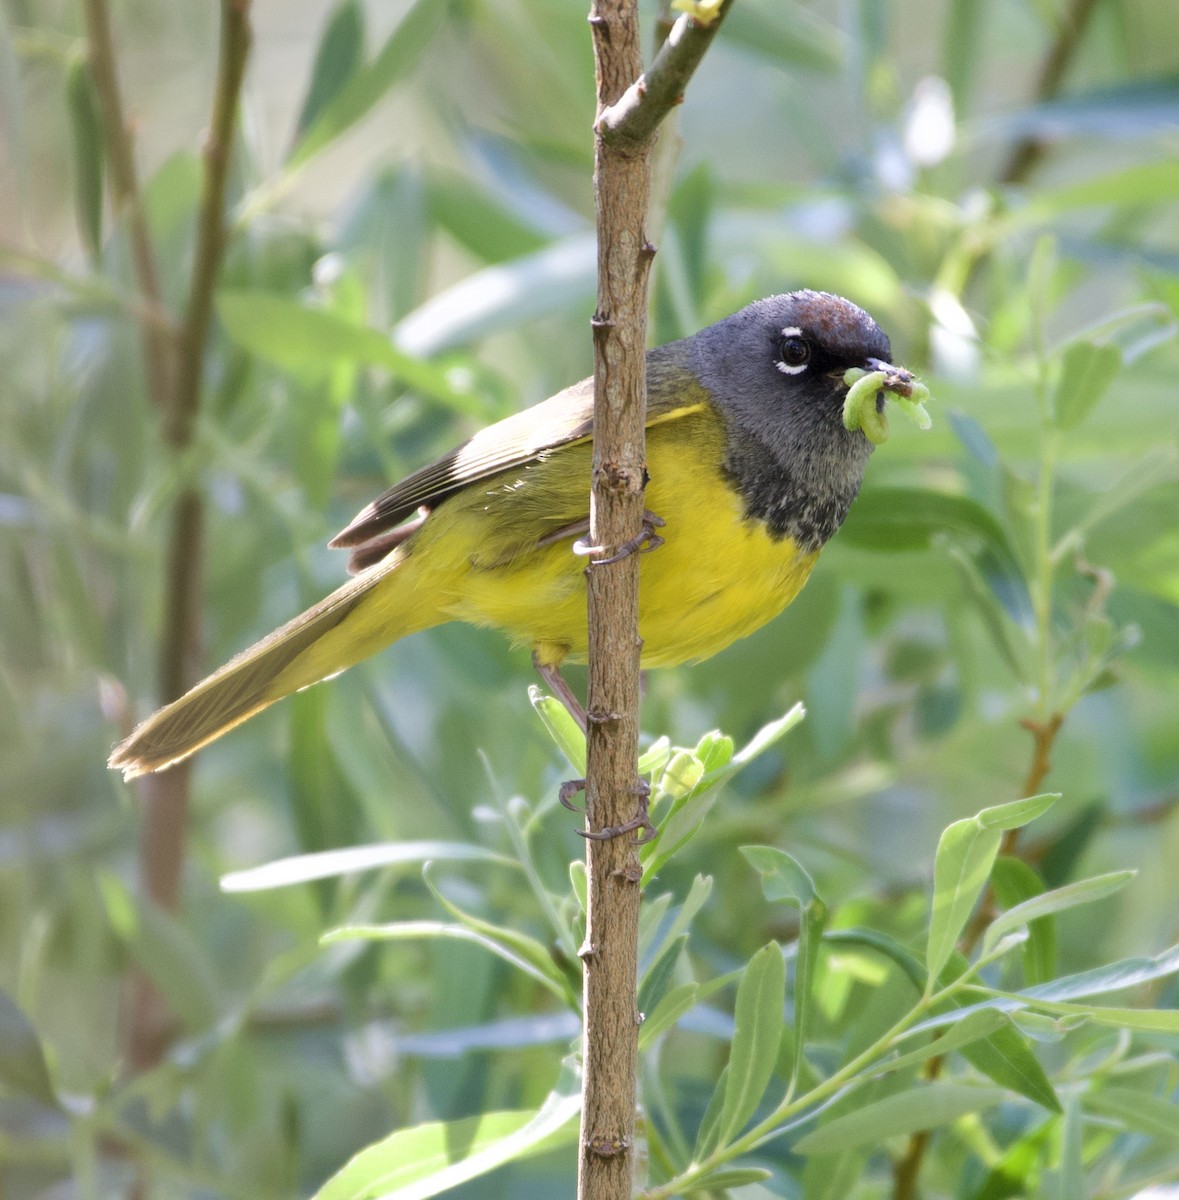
point(643, 543)
point(641, 820)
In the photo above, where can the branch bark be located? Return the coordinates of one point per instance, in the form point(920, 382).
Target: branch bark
point(165, 795)
point(610, 954)
point(127, 200)
point(1029, 150)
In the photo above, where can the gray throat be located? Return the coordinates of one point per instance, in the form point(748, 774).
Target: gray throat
point(804, 495)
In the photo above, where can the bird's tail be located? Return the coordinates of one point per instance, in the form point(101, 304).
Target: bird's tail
point(366, 614)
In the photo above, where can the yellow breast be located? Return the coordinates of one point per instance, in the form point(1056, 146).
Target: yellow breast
point(717, 577)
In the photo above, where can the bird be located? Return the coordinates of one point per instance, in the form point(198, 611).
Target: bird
point(751, 470)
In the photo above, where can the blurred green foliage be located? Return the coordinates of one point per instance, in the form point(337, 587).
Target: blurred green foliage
point(424, 170)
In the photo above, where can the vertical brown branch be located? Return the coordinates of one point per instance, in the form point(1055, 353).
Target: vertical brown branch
point(165, 796)
point(127, 200)
point(1029, 150)
point(610, 954)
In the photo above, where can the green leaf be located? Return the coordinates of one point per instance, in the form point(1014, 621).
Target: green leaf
point(1084, 891)
point(667, 1012)
point(1009, 639)
point(758, 1021)
point(962, 866)
point(400, 53)
point(416, 1163)
point(530, 962)
point(902, 519)
point(792, 36)
point(327, 864)
point(785, 878)
point(1086, 373)
point(715, 752)
point(978, 1023)
point(658, 975)
point(925, 1106)
point(1138, 1111)
point(1142, 183)
point(1007, 1059)
point(22, 1060)
point(672, 934)
point(479, 222)
point(732, 1177)
point(339, 54)
point(882, 943)
point(309, 342)
point(167, 952)
point(1115, 977)
point(89, 158)
point(561, 727)
point(1013, 882)
point(1072, 1162)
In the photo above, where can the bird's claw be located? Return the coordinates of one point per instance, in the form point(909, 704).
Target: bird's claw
point(643, 542)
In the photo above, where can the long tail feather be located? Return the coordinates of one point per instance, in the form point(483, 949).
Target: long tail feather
point(334, 634)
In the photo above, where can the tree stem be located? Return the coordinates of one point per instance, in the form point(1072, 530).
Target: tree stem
point(165, 796)
point(610, 953)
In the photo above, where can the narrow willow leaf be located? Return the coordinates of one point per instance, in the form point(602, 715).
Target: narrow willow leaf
point(1013, 882)
point(1115, 977)
point(1084, 891)
point(733, 1177)
point(681, 923)
point(309, 342)
point(528, 948)
point(1138, 1111)
point(400, 53)
point(423, 930)
point(89, 161)
point(413, 1164)
point(336, 61)
point(1086, 373)
point(667, 1012)
point(884, 944)
point(657, 978)
point(965, 854)
point(926, 1106)
point(975, 1025)
point(758, 1020)
point(561, 727)
point(1072, 1167)
point(1008, 637)
point(167, 952)
point(1006, 1058)
point(22, 1060)
point(785, 878)
point(327, 864)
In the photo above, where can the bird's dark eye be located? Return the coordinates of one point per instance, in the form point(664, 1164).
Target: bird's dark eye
point(794, 351)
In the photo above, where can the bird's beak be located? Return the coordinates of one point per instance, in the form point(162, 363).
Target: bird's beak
point(896, 379)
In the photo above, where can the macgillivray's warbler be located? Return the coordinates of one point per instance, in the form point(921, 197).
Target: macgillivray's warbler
point(752, 468)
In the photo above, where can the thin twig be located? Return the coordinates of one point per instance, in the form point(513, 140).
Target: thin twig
point(1029, 150)
point(127, 198)
point(634, 117)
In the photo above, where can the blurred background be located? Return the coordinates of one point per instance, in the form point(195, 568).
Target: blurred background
point(997, 183)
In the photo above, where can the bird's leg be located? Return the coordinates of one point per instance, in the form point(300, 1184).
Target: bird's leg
point(646, 541)
point(561, 689)
point(642, 820)
point(568, 790)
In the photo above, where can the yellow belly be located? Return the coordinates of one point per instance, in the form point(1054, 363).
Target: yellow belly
point(717, 577)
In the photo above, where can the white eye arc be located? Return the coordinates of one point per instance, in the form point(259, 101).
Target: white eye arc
point(794, 349)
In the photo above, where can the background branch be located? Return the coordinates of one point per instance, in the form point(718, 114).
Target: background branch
point(165, 796)
point(126, 198)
